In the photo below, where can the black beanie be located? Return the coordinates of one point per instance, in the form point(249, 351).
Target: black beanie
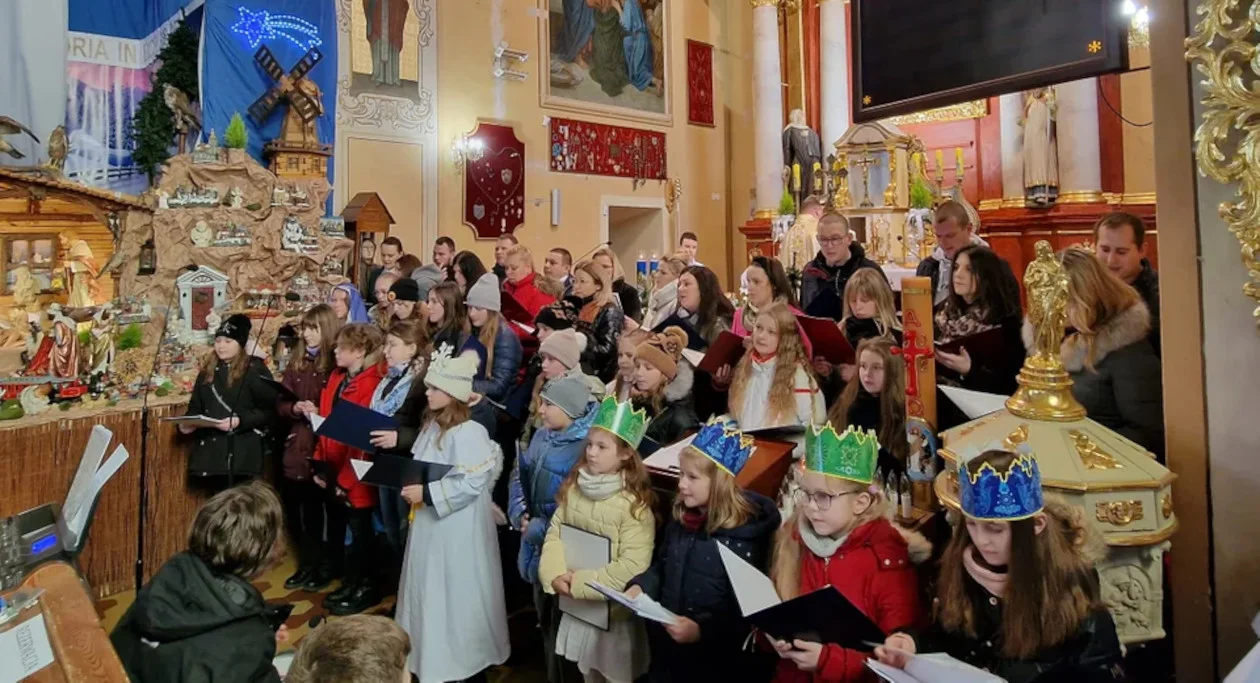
point(404, 289)
point(560, 315)
point(236, 327)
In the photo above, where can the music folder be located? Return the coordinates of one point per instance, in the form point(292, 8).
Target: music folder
point(695, 342)
point(585, 550)
point(776, 432)
point(821, 616)
point(827, 339)
point(352, 425)
point(984, 344)
point(393, 471)
point(514, 310)
point(285, 392)
point(727, 349)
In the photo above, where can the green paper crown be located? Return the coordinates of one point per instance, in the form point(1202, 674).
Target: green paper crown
point(851, 455)
point(622, 421)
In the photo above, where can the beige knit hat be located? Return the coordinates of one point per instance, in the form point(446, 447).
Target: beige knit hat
point(664, 350)
point(452, 375)
point(565, 346)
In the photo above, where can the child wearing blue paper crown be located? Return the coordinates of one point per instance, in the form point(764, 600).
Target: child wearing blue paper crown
point(839, 536)
point(450, 601)
point(608, 493)
point(567, 412)
point(687, 576)
point(1017, 593)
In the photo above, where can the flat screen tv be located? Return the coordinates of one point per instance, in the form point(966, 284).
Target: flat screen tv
point(912, 55)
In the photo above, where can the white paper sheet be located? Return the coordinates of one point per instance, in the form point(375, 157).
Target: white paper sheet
point(933, 668)
point(97, 443)
point(316, 421)
point(641, 605)
point(666, 457)
point(201, 421)
point(694, 357)
point(975, 404)
point(76, 524)
point(754, 590)
point(24, 649)
point(361, 467)
point(584, 550)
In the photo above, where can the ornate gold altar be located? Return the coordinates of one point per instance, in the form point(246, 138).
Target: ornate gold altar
point(1125, 492)
point(872, 164)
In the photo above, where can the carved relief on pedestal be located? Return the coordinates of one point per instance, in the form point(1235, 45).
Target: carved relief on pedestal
point(1131, 584)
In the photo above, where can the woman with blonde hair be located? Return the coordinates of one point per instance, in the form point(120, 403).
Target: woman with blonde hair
point(1116, 374)
point(599, 319)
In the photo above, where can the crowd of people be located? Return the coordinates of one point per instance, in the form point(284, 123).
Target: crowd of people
point(543, 422)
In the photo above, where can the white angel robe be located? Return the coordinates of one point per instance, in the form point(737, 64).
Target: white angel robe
point(450, 601)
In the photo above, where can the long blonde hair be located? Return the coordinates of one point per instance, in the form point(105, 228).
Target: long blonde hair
point(790, 356)
point(1095, 297)
point(487, 335)
point(785, 565)
point(1051, 589)
point(870, 284)
point(728, 507)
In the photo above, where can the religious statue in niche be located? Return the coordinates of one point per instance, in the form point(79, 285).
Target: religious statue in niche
point(801, 145)
point(1041, 155)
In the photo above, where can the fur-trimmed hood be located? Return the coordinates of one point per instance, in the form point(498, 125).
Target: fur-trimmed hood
point(917, 545)
point(1129, 326)
point(679, 388)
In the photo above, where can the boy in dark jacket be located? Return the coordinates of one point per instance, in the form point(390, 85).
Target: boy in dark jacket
point(199, 619)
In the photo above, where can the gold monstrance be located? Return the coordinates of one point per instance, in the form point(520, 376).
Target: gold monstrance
point(1125, 493)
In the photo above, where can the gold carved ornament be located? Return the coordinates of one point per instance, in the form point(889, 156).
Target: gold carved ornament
point(1165, 505)
point(890, 192)
point(1091, 454)
point(1227, 140)
point(1119, 512)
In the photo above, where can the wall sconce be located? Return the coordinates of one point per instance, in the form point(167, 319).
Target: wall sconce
point(504, 58)
point(148, 258)
point(465, 149)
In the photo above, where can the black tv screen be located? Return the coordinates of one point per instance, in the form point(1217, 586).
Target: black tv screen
point(912, 55)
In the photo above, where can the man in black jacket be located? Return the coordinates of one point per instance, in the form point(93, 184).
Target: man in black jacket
point(1121, 240)
point(824, 278)
point(199, 618)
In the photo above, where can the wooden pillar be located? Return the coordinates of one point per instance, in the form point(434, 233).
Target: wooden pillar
point(1110, 137)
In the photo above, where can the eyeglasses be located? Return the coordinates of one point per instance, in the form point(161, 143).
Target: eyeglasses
point(822, 501)
point(831, 240)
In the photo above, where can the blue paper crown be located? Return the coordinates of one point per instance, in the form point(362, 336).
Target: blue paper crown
point(722, 442)
point(1007, 496)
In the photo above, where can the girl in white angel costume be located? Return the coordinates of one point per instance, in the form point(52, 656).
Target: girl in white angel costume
point(450, 600)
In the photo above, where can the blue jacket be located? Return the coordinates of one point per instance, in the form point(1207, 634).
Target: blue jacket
point(506, 365)
point(535, 480)
point(687, 577)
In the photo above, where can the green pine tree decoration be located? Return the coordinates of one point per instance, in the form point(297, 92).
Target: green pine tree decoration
point(236, 137)
point(152, 127)
point(920, 194)
point(787, 207)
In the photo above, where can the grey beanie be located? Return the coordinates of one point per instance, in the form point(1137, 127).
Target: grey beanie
point(570, 393)
point(485, 293)
point(427, 277)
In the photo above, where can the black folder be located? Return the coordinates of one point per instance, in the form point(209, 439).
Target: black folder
point(776, 432)
point(392, 471)
point(986, 344)
point(285, 392)
point(823, 616)
point(352, 424)
point(695, 342)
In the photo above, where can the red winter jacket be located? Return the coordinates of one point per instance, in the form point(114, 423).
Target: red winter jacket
point(358, 391)
point(873, 570)
point(528, 294)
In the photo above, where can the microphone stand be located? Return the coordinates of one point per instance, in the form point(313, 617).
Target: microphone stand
point(236, 401)
point(145, 429)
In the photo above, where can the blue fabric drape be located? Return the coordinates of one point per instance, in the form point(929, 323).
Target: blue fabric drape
point(232, 81)
point(579, 24)
point(638, 44)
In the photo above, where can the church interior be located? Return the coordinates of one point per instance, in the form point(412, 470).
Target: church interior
point(183, 176)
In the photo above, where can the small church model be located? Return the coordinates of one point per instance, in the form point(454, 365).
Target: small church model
point(297, 153)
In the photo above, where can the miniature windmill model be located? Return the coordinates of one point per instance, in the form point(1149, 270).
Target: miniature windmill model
point(297, 152)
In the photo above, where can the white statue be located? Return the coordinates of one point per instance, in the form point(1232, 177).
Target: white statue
point(201, 235)
point(1041, 155)
point(163, 199)
point(236, 198)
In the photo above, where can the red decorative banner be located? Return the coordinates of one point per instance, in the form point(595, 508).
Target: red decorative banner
point(494, 180)
point(699, 83)
point(601, 149)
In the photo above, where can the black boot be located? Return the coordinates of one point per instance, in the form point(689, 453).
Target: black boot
point(299, 578)
point(320, 578)
point(362, 597)
point(340, 595)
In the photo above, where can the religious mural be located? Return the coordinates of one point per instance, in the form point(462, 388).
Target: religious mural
point(608, 56)
point(385, 48)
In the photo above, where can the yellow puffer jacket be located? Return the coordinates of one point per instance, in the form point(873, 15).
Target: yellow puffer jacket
point(632, 538)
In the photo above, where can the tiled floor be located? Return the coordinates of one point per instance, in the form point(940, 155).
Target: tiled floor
point(525, 665)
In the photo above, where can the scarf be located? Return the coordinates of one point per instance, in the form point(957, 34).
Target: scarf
point(992, 581)
point(693, 520)
point(952, 324)
point(588, 309)
point(600, 486)
point(392, 391)
point(822, 546)
point(865, 411)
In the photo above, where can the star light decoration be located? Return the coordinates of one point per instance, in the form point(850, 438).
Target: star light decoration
point(260, 26)
point(1094, 47)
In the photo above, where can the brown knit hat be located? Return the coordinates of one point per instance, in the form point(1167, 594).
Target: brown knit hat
point(664, 350)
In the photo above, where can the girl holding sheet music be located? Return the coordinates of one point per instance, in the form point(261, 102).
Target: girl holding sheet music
point(870, 311)
point(687, 576)
point(1018, 593)
point(607, 495)
point(305, 376)
point(839, 536)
